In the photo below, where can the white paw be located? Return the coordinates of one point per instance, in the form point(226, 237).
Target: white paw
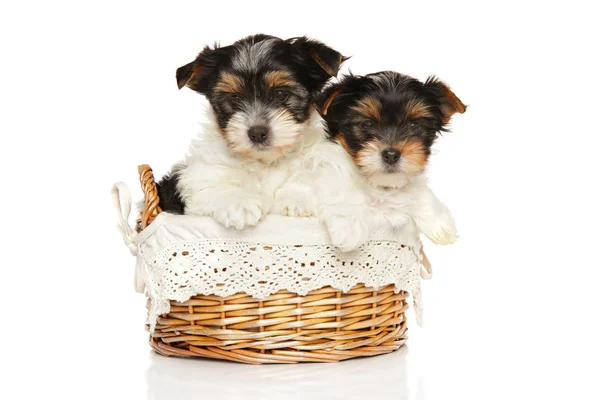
point(240, 213)
point(294, 203)
point(293, 208)
point(442, 232)
point(347, 233)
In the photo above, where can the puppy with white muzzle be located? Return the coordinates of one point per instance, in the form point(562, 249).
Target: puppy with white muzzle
point(386, 123)
point(261, 90)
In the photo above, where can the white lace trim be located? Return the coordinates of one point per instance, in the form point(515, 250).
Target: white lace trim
point(224, 268)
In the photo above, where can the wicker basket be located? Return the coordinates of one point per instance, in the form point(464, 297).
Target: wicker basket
point(326, 325)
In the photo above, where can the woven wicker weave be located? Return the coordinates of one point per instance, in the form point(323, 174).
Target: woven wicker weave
point(326, 325)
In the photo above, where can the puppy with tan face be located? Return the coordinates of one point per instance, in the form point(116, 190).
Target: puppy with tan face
point(387, 122)
point(261, 91)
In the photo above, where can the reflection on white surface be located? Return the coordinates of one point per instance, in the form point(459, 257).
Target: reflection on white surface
point(170, 378)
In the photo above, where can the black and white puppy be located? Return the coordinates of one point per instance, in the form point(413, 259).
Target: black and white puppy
point(386, 123)
point(261, 90)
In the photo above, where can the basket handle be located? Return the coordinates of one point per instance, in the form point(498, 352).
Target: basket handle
point(151, 209)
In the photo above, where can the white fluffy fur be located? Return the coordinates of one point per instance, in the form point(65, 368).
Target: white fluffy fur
point(413, 202)
point(352, 206)
point(393, 199)
point(306, 175)
point(238, 185)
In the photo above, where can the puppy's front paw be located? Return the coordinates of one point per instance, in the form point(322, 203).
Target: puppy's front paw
point(240, 213)
point(293, 209)
point(347, 233)
point(442, 232)
point(294, 203)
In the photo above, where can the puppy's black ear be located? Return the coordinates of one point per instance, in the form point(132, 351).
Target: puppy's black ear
point(324, 99)
point(185, 73)
point(318, 62)
point(449, 103)
point(324, 102)
point(200, 73)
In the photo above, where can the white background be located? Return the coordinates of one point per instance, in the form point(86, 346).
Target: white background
point(87, 92)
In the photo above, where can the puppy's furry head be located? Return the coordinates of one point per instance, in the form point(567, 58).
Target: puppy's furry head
point(388, 122)
point(261, 89)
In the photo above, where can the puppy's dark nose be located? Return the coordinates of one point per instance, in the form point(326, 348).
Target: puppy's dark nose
point(390, 156)
point(258, 134)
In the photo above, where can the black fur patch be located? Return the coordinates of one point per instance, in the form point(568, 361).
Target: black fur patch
point(168, 195)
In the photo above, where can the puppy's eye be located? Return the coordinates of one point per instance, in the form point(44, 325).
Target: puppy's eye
point(366, 124)
point(281, 95)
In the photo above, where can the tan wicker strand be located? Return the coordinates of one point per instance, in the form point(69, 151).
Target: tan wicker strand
point(325, 325)
point(152, 208)
point(261, 317)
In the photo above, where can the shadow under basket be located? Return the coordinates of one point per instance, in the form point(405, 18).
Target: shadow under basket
point(325, 325)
